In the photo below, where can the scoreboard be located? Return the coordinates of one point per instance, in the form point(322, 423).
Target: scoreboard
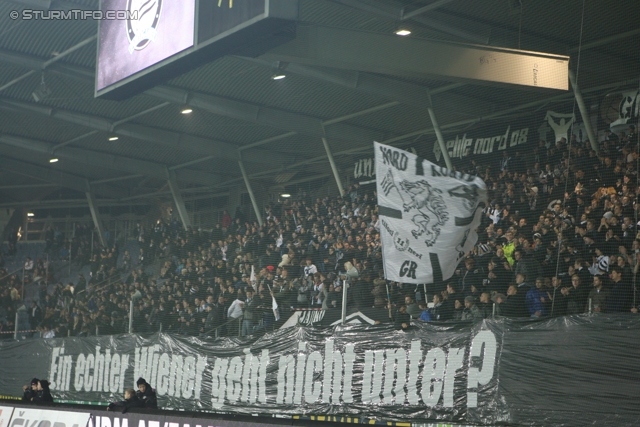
point(156, 40)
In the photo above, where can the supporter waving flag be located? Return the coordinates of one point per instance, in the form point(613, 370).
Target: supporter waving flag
point(428, 215)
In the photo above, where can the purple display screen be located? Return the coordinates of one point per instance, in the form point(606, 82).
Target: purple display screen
point(128, 46)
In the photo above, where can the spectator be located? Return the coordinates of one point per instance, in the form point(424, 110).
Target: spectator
point(577, 296)
point(485, 305)
point(598, 295)
point(515, 305)
point(401, 319)
point(536, 299)
point(620, 298)
point(130, 401)
point(43, 394)
point(29, 391)
point(146, 394)
point(471, 311)
point(250, 312)
point(411, 307)
point(234, 312)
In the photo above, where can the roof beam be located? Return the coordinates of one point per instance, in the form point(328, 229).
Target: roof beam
point(430, 130)
point(386, 87)
point(395, 11)
point(74, 182)
point(171, 139)
point(235, 109)
point(342, 48)
point(110, 161)
point(424, 9)
point(261, 115)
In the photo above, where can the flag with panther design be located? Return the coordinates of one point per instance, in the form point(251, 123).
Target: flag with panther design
point(428, 215)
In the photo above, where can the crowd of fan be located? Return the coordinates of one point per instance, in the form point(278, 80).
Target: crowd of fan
point(559, 237)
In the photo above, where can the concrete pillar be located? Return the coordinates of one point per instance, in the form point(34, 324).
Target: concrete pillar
point(583, 111)
point(235, 198)
point(95, 214)
point(334, 169)
point(440, 138)
point(256, 209)
point(177, 199)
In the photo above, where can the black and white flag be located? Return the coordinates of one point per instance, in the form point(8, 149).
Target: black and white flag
point(428, 215)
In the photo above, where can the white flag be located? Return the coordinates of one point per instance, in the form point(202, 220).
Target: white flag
point(274, 306)
point(252, 278)
point(428, 216)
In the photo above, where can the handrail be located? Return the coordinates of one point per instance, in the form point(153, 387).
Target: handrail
point(236, 319)
point(12, 273)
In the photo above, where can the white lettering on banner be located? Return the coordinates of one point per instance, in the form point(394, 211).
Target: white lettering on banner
point(300, 368)
point(106, 422)
point(434, 361)
point(395, 158)
point(313, 388)
point(238, 380)
point(178, 376)
point(364, 168)
point(462, 146)
point(390, 376)
point(394, 380)
point(372, 379)
point(310, 317)
point(480, 376)
point(98, 372)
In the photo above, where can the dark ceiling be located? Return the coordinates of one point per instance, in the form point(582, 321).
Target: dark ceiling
point(274, 125)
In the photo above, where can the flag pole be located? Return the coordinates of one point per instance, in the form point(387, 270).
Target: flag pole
point(344, 301)
point(389, 302)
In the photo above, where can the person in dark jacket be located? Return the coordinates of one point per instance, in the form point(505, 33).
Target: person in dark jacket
point(130, 401)
point(620, 298)
point(146, 394)
point(402, 320)
point(515, 305)
point(43, 394)
point(577, 296)
point(29, 391)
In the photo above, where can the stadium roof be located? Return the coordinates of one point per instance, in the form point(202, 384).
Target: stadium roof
point(275, 126)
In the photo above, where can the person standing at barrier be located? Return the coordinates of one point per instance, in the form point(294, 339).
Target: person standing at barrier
point(249, 312)
point(235, 312)
point(43, 394)
point(620, 299)
point(130, 401)
point(29, 391)
point(535, 300)
point(598, 295)
point(146, 394)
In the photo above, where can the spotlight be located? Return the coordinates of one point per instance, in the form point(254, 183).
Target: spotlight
point(42, 92)
point(186, 110)
point(30, 214)
point(53, 160)
point(278, 76)
point(113, 138)
point(285, 195)
point(403, 32)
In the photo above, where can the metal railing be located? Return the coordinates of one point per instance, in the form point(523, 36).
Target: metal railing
point(224, 325)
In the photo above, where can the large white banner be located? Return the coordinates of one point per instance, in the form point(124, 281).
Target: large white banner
point(428, 215)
